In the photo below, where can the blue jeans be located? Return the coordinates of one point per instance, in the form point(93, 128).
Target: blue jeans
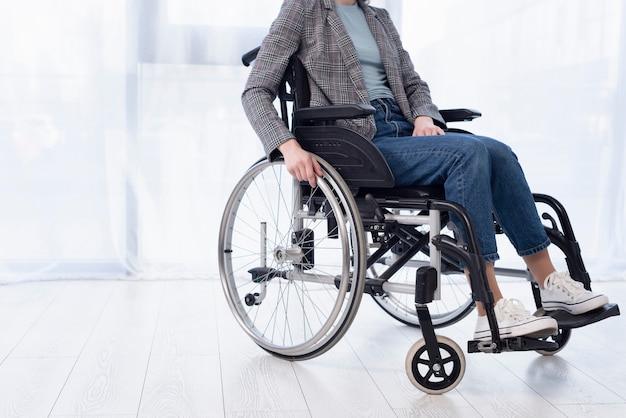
point(479, 173)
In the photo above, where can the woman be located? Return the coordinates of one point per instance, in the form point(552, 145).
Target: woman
point(353, 54)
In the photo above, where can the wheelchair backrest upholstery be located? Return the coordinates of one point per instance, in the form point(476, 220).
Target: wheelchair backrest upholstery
point(357, 159)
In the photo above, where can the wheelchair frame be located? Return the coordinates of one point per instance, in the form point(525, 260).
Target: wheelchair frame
point(272, 272)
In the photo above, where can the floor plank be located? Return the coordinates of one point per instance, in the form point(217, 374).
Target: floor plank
point(22, 305)
point(188, 386)
point(184, 374)
point(29, 386)
point(187, 324)
point(109, 375)
point(63, 332)
point(337, 385)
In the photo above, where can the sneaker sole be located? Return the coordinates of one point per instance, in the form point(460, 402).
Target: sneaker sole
point(537, 328)
point(578, 308)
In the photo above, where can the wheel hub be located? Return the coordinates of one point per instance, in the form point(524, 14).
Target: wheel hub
point(284, 255)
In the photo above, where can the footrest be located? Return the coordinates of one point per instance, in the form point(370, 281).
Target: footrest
point(511, 344)
point(566, 320)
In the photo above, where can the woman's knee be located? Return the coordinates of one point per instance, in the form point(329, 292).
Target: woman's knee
point(476, 152)
point(498, 151)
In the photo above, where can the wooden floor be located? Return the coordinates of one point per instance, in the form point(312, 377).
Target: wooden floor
point(172, 348)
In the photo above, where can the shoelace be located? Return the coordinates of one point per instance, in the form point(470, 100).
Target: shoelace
point(571, 287)
point(513, 308)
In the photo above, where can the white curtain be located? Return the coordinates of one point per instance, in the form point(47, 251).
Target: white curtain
point(122, 134)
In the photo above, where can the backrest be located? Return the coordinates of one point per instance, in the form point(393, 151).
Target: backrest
point(357, 159)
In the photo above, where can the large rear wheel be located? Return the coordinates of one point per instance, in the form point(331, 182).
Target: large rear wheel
point(292, 259)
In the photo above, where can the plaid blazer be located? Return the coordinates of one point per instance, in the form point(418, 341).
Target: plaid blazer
point(313, 30)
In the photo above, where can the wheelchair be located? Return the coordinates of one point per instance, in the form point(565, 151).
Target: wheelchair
point(295, 261)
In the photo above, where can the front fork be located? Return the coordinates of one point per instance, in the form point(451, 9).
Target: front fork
point(425, 288)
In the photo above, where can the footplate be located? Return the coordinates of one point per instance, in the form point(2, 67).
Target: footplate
point(566, 320)
point(511, 344)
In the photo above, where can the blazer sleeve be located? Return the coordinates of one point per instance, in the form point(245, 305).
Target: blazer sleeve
point(281, 42)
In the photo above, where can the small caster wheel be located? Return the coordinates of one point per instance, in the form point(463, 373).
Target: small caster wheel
point(561, 339)
point(251, 299)
point(431, 376)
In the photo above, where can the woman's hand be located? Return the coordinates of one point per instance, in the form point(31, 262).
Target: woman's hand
point(300, 163)
point(424, 126)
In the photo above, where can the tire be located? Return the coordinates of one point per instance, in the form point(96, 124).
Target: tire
point(434, 377)
point(562, 338)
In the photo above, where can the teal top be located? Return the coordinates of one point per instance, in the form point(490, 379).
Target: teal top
point(367, 50)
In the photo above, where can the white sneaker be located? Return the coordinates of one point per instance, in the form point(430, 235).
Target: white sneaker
point(562, 292)
point(515, 321)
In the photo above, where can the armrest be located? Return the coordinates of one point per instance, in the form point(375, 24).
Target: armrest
point(459, 115)
point(334, 112)
point(354, 111)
